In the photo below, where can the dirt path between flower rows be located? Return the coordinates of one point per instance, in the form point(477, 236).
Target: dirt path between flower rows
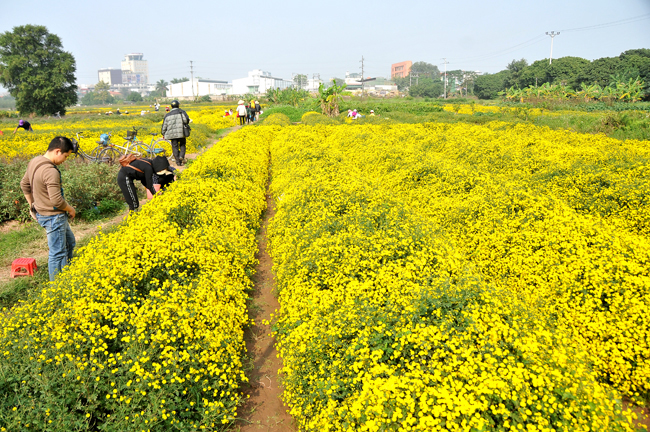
point(264, 410)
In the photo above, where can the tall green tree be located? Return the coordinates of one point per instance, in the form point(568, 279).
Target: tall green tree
point(134, 97)
point(161, 87)
point(101, 92)
point(516, 68)
point(300, 80)
point(427, 88)
point(424, 69)
point(36, 71)
point(489, 85)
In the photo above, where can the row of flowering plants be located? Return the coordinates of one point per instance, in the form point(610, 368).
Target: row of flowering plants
point(416, 291)
point(144, 330)
point(26, 144)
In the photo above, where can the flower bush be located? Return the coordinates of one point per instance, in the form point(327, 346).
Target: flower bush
point(456, 277)
point(144, 330)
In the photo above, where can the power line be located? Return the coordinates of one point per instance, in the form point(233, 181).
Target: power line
point(611, 23)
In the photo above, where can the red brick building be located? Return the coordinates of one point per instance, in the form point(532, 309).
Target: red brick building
point(400, 70)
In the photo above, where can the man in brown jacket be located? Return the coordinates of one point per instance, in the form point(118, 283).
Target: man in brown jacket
point(44, 193)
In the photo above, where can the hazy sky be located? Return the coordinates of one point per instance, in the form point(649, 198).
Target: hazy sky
point(226, 39)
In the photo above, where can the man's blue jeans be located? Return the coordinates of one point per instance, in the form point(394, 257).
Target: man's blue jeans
point(60, 240)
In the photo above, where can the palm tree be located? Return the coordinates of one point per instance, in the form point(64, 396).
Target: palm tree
point(161, 86)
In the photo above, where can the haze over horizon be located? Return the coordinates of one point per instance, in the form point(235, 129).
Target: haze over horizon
point(228, 40)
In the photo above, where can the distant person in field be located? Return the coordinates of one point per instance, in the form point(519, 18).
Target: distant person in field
point(43, 190)
point(25, 125)
point(350, 113)
point(248, 114)
point(241, 112)
point(258, 110)
point(173, 129)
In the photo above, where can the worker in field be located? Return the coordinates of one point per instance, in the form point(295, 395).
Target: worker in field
point(241, 112)
point(176, 128)
point(25, 125)
point(132, 169)
point(43, 190)
point(258, 110)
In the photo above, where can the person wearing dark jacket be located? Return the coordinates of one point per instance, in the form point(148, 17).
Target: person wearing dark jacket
point(139, 169)
point(173, 129)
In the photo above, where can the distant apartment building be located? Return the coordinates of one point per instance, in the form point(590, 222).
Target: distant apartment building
point(135, 70)
point(258, 81)
point(110, 76)
point(400, 70)
point(199, 87)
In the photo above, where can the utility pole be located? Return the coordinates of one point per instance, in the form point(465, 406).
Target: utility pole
point(192, 75)
point(552, 35)
point(362, 86)
point(445, 61)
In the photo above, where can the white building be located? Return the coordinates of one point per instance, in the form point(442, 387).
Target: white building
point(313, 84)
point(199, 87)
point(258, 81)
point(110, 76)
point(135, 70)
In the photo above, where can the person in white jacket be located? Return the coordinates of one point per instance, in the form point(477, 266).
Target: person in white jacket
point(241, 112)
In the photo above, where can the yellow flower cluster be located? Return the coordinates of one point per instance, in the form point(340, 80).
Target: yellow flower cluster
point(457, 277)
point(144, 330)
point(26, 144)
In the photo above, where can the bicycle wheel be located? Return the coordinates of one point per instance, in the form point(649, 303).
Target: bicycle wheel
point(95, 152)
point(141, 150)
point(109, 155)
point(161, 147)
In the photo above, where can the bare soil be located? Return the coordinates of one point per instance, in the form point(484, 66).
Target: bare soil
point(264, 410)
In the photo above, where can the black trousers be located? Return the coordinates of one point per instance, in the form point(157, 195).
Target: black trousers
point(178, 149)
point(128, 189)
point(242, 120)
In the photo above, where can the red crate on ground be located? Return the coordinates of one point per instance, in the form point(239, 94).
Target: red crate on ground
point(23, 267)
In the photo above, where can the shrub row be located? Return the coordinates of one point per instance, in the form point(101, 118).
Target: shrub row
point(401, 301)
point(144, 330)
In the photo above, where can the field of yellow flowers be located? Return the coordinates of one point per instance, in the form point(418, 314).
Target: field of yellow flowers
point(144, 330)
point(458, 277)
point(26, 144)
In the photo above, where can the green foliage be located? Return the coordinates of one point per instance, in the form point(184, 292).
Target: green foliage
point(179, 80)
point(277, 119)
point(427, 87)
point(205, 98)
point(288, 96)
point(329, 98)
point(102, 92)
point(161, 87)
point(36, 70)
point(294, 114)
point(488, 86)
point(134, 97)
point(86, 186)
point(314, 118)
point(91, 98)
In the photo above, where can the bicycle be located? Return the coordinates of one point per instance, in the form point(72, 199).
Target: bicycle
point(156, 145)
point(79, 154)
point(111, 154)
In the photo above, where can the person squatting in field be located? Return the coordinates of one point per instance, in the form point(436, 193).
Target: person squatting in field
point(174, 129)
point(154, 175)
point(43, 190)
point(25, 125)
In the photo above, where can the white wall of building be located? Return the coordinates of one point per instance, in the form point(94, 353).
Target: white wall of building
point(200, 87)
point(258, 81)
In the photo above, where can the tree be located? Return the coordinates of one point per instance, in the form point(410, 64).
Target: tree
point(300, 80)
point(134, 97)
point(516, 68)
point(161, 86)
point(489, 85)
point(179, 80)
point(426, 88)
point(101, 92)
point(36, 71)
point(329, 98)
point(424, 69)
